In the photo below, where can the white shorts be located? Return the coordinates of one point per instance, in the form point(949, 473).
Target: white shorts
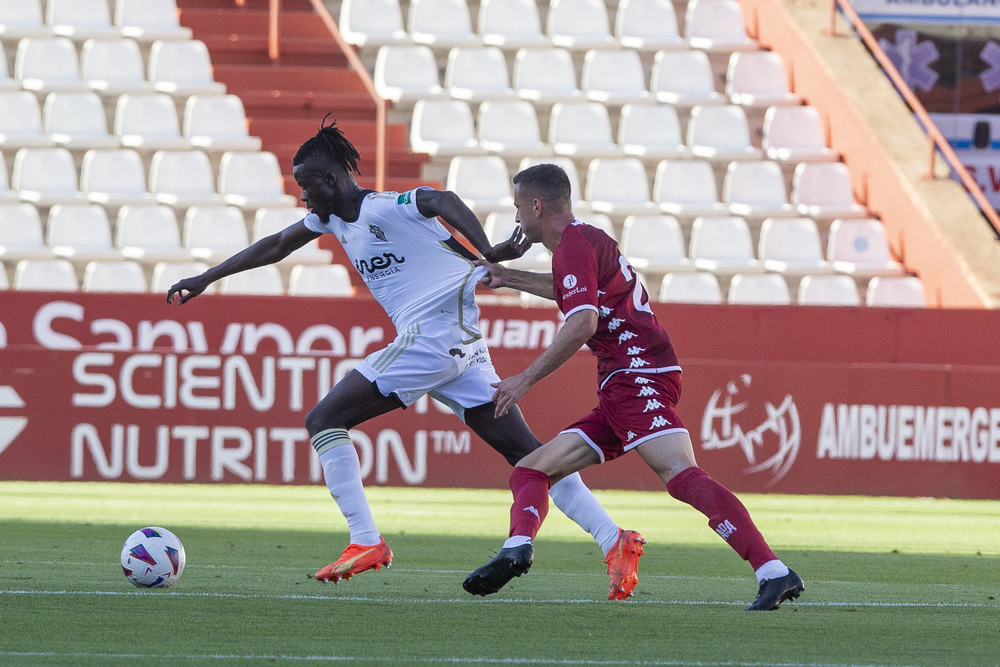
point(431, 358)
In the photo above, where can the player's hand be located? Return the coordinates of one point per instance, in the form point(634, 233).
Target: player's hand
point(511, 248)
point(509, 392)
point(184, 290)
point(495, 278)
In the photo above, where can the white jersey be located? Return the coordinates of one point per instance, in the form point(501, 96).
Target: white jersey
point(408, 261)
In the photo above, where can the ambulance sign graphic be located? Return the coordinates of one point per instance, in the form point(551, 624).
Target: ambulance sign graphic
point(771, 445)
point(10, 427)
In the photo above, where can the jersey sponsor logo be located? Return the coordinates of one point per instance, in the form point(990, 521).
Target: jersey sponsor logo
point(569, 281)
point(574, 292)
point(403, 199)
point(378, 263)
point(379, 234)
point(770, 446)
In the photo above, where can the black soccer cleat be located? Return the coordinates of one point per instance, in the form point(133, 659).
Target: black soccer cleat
point(775, 591)
point(507, 564)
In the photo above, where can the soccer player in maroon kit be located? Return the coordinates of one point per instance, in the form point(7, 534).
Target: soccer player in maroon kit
point(606, 307)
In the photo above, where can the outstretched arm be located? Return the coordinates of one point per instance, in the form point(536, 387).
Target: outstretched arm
point(449, 207)
point(539, 284)
point(267, 250)
point(577, 330)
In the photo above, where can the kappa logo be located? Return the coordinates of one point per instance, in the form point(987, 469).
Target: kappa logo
point(659, 422)
point(615, 323)
point(653, 404)
point(634, 350)
point(778, 436)
point(725, 529)
point(10, 427)
point(647, 391)
point(531, 508)
point(626, 335)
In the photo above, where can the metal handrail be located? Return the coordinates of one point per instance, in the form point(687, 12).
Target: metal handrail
point(274, 52)
point(938, 142)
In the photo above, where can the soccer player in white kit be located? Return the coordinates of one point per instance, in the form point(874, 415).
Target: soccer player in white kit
point(426, 280)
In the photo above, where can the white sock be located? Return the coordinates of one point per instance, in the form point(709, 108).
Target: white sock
point(772, 569)
point(516, 541)
point(342, 471)
point(576, 501)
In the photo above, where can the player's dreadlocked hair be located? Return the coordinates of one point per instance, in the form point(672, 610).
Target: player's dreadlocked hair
point(330, 143)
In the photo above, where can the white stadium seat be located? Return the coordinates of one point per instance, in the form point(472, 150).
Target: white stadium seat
point(112, 67)
point(252, 180)
point(218, 123)
point(579, 25)
point(822, 190)
point(149, 234)
point(896, 292)
point(791, 246)
point(759, 289)
point(687, 189)
point(756, 189)
point(546, 76)
point(264, 280)
point(655, 244)
point(114, 276)
point(214, 233)
point(651, 132)
point(648, 25)
point(717, 26)
point(723, 246)
point(80, 233)
point(372, 23)
point(183, 179)
point(510, 127)
point(46, 176)
point(697, 287)
point(80, 19)
point(795, 134)
point(720, 132)
point(758, 79)
point(320, 280)
point(482, 181)
point(181, 68)
point(443, 128)
point(614, 77)
point(441, 24)
point(511, 24)
point(582, 130)
point(406, 73)
point(114, 178)
point(477, 73)
point(55, 275)
point(21, 234)
point(619, 187)
point(827, 290)
point(77, 121)
point(684, 79)
point(45, 64)
point(148, 122)
point(21, 121)
point(860, 248)
point(149, 20)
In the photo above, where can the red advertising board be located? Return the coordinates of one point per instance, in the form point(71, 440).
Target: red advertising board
point(790, 400)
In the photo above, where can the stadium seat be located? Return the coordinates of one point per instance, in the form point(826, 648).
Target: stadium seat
point(47, 275)
point(499, 226)
point(482, 182)
point(826, 290)
point(567, 164)
point(149, 234)
point(477, 73)
point(618, 187)
point(269, 221)
point(46, 176)
point(148, 122)
point(4, 284)
point(218, 123)
point(648, 25)
point(252, 180)
point(687, 189)
point(117, 276)
point(6, 83)
point(166, 274)
point(651, 132)
point(697, 287)
point(684, 79)
point(45, 64)
point(21, 19)
point(860, 248)
point(579, 25)
point(406, 73)
point(582, 130)
point(717, 26)
point(112, 67)
point(756, 189)
point(114, 178)
point(791, 246)
point(372, 23)
point(214, 233)
point(182, 179)
point(546, 76)
point(441, 24)
point(149, 20)
point(614, 77)
point(511, 24)
point(758, 79)
point(182, 68)
point(723, 245)
point(80, 19)
point(510, 128)
point(759, 289)
point(21, 234)
point(80, 233)
point(600, 220)
point(795, 134)
point(822, 190)
point(655, 244)
point(316, 280)
point(720, 132)
point(443, 128)
point(263, 280)
point(77, 121)
point(21, 121)
point(7, 196)
point(896, 292)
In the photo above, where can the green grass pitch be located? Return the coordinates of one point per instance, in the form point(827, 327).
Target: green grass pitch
point(889, 581)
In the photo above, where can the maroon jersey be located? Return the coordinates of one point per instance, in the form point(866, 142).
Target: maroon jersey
point(589, 272)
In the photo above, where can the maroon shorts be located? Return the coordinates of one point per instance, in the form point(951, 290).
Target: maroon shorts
point(631, 408)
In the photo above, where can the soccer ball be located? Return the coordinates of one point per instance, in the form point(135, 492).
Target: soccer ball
point(153, 557)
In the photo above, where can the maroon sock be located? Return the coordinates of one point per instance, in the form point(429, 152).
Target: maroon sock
point(726, 514)
point(531, 501)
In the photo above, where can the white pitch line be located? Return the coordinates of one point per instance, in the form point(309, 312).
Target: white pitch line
point(415, 660)
point(362, 598)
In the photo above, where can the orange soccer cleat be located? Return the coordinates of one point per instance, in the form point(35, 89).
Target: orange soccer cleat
point(623, 564)
point(356, 559)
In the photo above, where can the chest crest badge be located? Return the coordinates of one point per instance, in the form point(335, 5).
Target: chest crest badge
point(379, 234)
